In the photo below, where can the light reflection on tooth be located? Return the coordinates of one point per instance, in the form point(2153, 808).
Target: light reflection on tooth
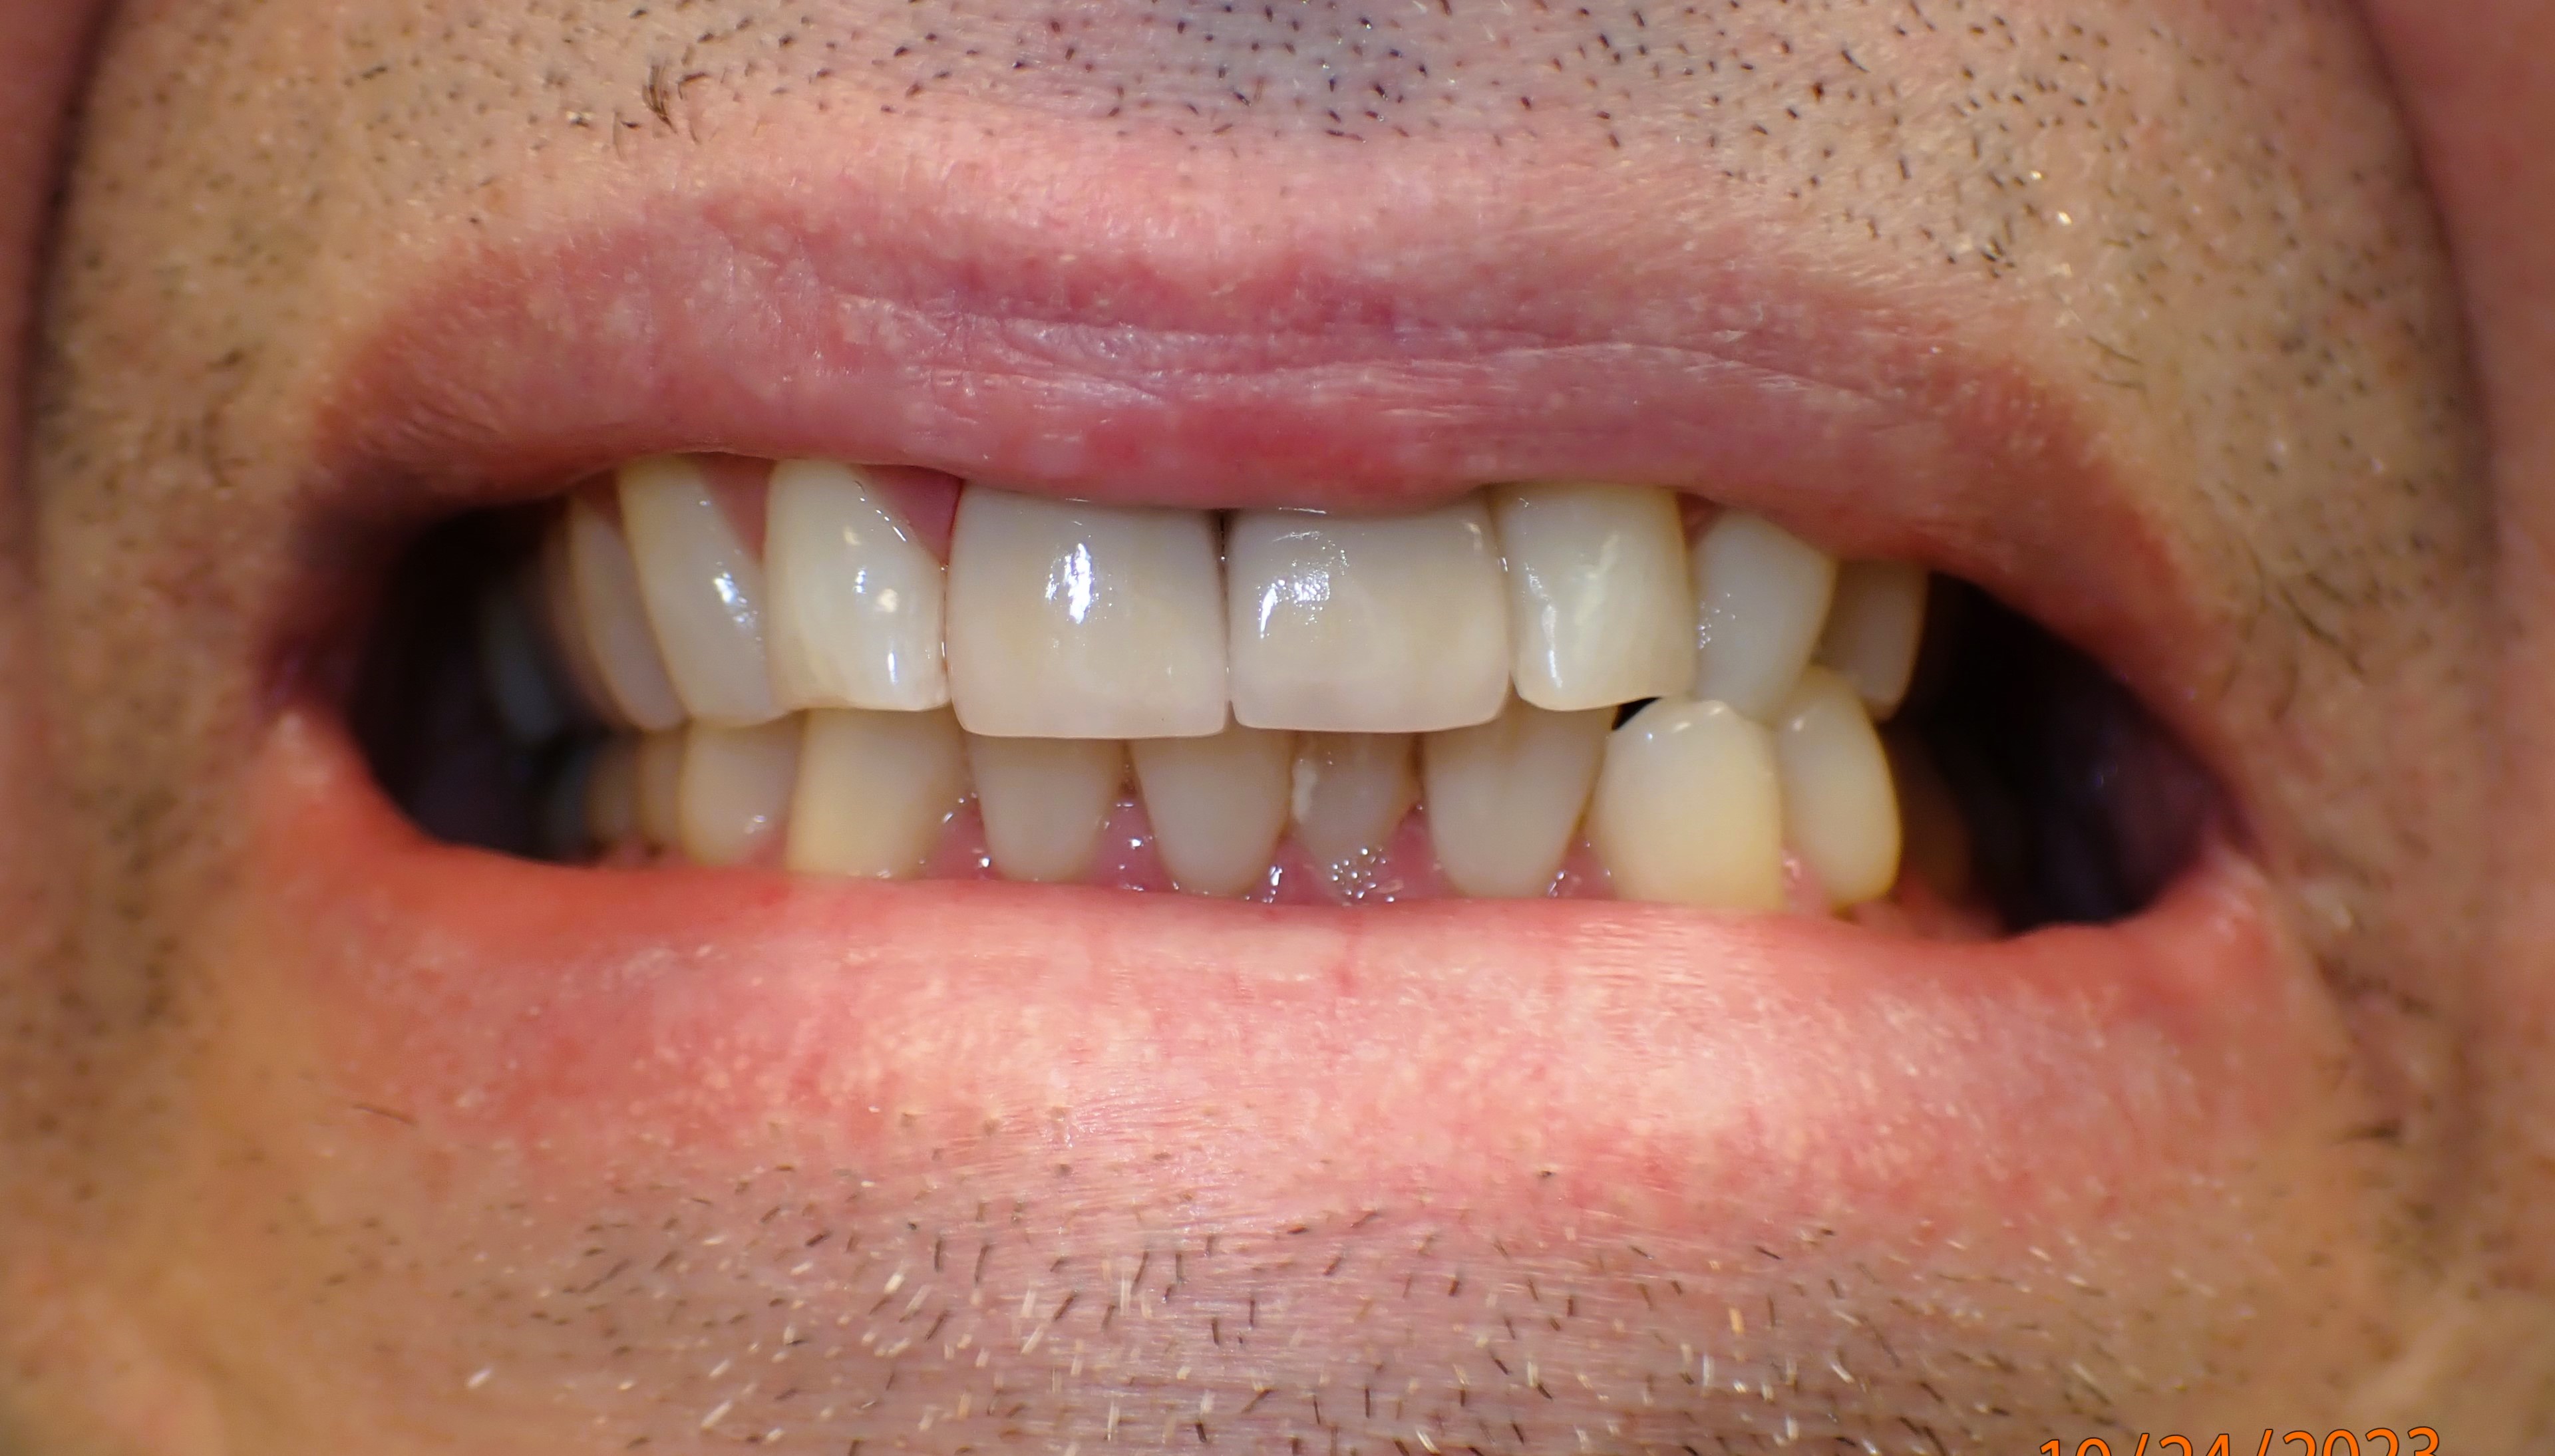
point(1687, 808)
point(660, 762)
point(615, 616)
point(1505, 797)
point(1073, 620)
point(1045, 800)
point(1218, 805)
point(1763, 597)
point(612, 793)
point(1367, 624)
point(514, 669)
point(735, 789)
point(1349, 792)
point(1875, 625)
point(1839, 811)
point(1598, 596)
point(855, 596)
point(876, 790)
point(703, 587)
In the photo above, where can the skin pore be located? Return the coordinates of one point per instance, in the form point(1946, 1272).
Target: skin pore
point(2204, 247)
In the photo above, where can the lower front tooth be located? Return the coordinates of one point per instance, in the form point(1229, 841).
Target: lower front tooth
point(735, 792)
point(1045, 800)
point(1839, 811)
point(874, 791)
point(1349, 792)
point(1218, 805)
point(705, 590)
point(1505, 797)
point(661, 788)
point(1687, 810)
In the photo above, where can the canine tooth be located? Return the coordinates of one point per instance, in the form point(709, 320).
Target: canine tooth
point(1348, 793)
point(1875, 624)
point(1505, 797)
point(661, 788)
point(874, 791)
point(1367, 625)
point(612, 792)
point(553, 586)
point(614, 613)
point(736, 788)
point(1218, 805)
point(855, 609)
point(1764, 594)
point(1598, 596)
point(1072, 620)
point(1687, 808)
point(515, 669)
point(703, 587)
point(1045, 800)
point(1840, 810)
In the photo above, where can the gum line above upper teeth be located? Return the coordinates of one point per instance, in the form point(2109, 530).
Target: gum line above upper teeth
point(1504, 628)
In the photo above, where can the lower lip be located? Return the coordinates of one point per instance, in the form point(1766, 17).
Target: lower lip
point(1606, 1054)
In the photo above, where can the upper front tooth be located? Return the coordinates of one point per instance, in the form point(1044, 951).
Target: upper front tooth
point(614, 613)
point(736, 787)
point(874, 791)
point(1505, 796)
point(565, 619)
point(1688, 811)
point(1218, 805)
point(705, 590)
point(514, 669)
point(1071, 620)
point(1045, 802)
point(1367, 625)
point(1598, 593)
point(855, 615)
point(1763, 594)
point(1350, 792)
point(1839, 811)
point(1875, 625)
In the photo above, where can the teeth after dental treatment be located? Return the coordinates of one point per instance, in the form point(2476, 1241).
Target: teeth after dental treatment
point(832, 696)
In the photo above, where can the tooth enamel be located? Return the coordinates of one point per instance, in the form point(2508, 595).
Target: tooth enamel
point(855, 607)
point(875, 788)
point(1045, 800)
point(563, 622)
point(1505, 796)
point(1218, 805)
point(1687, 809)
point(612, 793)
point(1348, 792)
point(1840, 810)
point(1934, 837)
point(736, 785)
point(1367, 625)
point(1070, 620)
point(661, 788)
point(614, 614)
point(1598, 596)
point(515, 670)
point(703, 587)
point(1874, 623)
point(1764, 594)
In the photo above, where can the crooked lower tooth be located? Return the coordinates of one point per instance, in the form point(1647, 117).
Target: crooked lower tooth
point(661, 788)
point(875, 790)
point(1218, 805)
point(614, 611)
point(1687, 808)
point(515, 669)
point(1763, 597)
point(1875, 625)
point(1072, 620)
point(612, 793)
point(1598, 596)
point(1505, 797)
point(1348, 792)
point(856, 597)
point(1045, 802)
point(703, 587)
point(1367, 625)
point(736, 788)
point(1840, 810)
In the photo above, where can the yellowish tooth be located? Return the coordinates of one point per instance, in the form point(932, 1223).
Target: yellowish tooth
point(705, 590)
point(554, 586)
point(876, 790)
point(1218, 805)
point(614, 614)
point(1934, 835)
point(612, 793)
point(856, 597)
point(1688, 809)
point(1045, 802)
point(1505, 797)
point(1349, 792)
point(736, 788)
point(1598, 598)
point(661, 788)
point(1840, 810)
point(1875, 625)
point(1763, 595)
point(514, 669)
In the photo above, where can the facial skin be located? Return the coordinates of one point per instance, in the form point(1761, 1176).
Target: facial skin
point(2213, 336)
